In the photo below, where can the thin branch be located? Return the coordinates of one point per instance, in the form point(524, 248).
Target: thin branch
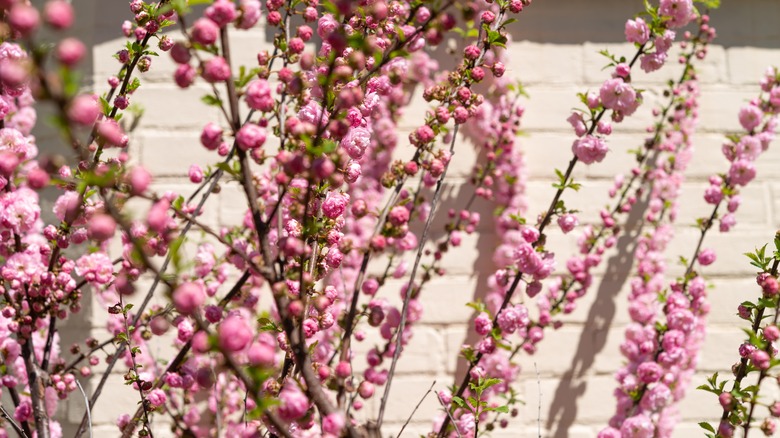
point(13, 423)
point(415, 409)
point(86, 403)
point(539, 410)
point(410, 284)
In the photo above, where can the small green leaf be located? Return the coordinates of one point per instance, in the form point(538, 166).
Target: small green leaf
point(707, 426)
point(211, 100)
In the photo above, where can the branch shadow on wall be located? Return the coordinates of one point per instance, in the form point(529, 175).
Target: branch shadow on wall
point(593, 337)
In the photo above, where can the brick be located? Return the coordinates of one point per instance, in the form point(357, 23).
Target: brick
point(162, 153)
point(719, 107)
point(422, 355)
point(747, 65)
point(548, 108)
point(406, 392)
point(720, 349)
point(715, 67)
point(546, 151)
point(457, 291)
point(168, 107)
point(545, 63)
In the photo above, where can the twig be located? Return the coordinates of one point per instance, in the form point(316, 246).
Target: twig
point(86, 402)
point(36, 389)
point(408, 297)
point(13, 423)
point(129, 335)
point(415, 409)
point(449, 416)
point(15, 398)
point(539, 411)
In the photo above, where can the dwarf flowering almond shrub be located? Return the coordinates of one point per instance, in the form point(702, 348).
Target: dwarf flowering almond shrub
point(261, 320)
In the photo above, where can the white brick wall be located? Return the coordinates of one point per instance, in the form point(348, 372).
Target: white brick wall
point(555, 54)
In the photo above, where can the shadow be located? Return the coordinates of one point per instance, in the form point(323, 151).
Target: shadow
point(593, 338)
point(743, 23)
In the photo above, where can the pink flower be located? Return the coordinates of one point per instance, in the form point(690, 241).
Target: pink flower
point(70, 51)
point(399, 215)
point(250, 14)
point(638, 426)
point(353, 171)
point(472, 52)
point(23, 18)
point(727, 222)
point(651, 62)
point(333, 423)
point(216, 69)
point(188, 297)
point(258, 96)
point(180, 53)
point(211, 136)
point(101, 227)
point(567, 222)
point(261, 354)
point(23, 412)
point(19, 210)
point(58, 14)
point(84, 109)
point(205, 31)
point(335, 204)
point(334, 257)
point(483, 324)
point(366, 389)
point(512, 318)
point(637, 31)
point(234, 334)
point(313, 113)
point(713, 194)
point(95, 268)
point(590, 149)
point(356, 141)
point(609, 432)
point(706, 257)
point(649, 372)
point(617, 95)
point(251, 136)
point(139, 180)
point(185, 75)
point(293, 403)
point(749, 147)
point(110, 131)
point(750, 117)
point(156, 397)
point(222, 12)
point(195, 173)
point(679, 12)
point(184, 330)
point(158, 218)
point(576, 121)
point(741, 172)
point(326, 25)
point(528, 260)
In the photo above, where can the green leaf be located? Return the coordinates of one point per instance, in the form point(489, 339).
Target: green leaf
point(133, 85)
point(460, 402)
point(710, 4)
point(707, 426)
point(175, 253)
point(211, 100)
point(104, 105)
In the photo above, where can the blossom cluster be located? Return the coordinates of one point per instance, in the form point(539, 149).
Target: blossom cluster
point(283, 323)
point(667, 331)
